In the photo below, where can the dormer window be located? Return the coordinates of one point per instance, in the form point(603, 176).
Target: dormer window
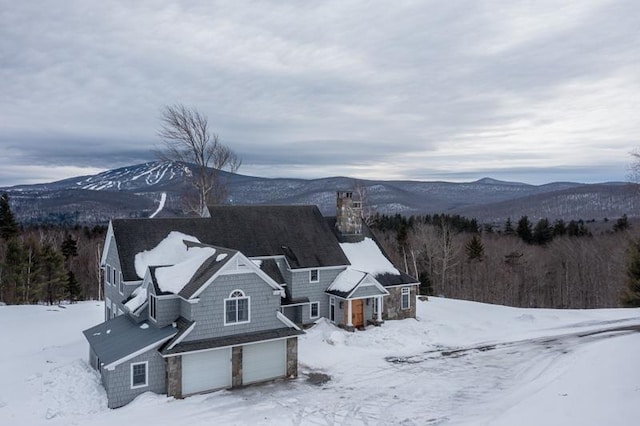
point(314, 276)
point(236, 308)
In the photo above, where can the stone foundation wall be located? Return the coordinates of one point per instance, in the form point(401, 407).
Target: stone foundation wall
point(174, 376)
point(393, 304)
point(292, 357)
point(236, 366)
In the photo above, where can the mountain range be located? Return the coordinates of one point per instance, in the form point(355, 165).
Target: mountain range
point(137, 191)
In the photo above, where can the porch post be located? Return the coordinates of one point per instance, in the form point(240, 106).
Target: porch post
point(349, 319)
point(379, 302)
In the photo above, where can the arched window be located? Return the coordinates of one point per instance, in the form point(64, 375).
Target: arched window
point(236, 308)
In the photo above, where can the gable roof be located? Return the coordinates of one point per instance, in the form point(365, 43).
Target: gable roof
point(209, 267)
point(348, 283)
point(300, 233)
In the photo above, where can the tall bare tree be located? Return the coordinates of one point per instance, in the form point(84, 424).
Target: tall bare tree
point(187, 139)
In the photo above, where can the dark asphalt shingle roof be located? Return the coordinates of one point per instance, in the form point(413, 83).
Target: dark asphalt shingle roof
point(120, 336)
point(298, 232)
point(270, 267)
point(235, 340)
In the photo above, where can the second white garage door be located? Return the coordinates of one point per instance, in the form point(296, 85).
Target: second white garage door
point(205, 371)
point(263, 361)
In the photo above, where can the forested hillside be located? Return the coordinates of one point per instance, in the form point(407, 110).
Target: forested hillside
point(574, 264)
point(555, 265)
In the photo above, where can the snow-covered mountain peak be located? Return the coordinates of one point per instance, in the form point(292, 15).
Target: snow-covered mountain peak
point(140, 176)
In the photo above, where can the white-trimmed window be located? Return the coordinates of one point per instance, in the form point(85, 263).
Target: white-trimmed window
point(332, 309)
point(152, 306)
point(120, 283)
point(237, 308)
point(314, 276)
point(139, 374)
point(406, 300)
point(107, 304)
point(107, 275)
point(315, 310)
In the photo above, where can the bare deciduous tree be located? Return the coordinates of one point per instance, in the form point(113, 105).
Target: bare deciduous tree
point(187, 139)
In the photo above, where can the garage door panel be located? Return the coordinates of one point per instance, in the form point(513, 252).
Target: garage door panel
point(263, 361)
point(205, 371)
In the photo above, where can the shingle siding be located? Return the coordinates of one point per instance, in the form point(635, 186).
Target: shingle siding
point(208, 313)
point(118, 381)
point(315, 292)
point(366, 291)
point(185, 310)
point(111, 290)
point(167, 309)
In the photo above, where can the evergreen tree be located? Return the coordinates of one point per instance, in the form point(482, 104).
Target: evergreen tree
point(72, 288)
point(475, 249)
point(426, 287)
point(69, 247)
point(621, 224)
point(508, 227)
point(12, 266)
point(559, 228)
point(53, 274)
point(543, 233)
point(631, 297)
point(524, 230)
point(8, 225)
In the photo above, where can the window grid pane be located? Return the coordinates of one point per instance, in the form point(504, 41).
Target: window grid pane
point(139, 375)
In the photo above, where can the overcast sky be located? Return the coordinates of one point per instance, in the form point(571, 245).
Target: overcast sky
point(532, 91)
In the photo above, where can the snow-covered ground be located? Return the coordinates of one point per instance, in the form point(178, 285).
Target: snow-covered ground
point(459, 363)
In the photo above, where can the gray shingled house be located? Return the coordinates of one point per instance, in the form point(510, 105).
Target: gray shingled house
point(198, 304)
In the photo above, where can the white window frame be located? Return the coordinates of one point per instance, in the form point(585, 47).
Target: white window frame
point(406, 291)
point(332, 309)
point(311, 310)
point(317, 271)
point(107, 303)
point(236, 298)
point(120, 283)
point(146, 375)
point(153, 307)
point(107, 274)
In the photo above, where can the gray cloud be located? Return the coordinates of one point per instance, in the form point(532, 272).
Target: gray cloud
point(418, 90)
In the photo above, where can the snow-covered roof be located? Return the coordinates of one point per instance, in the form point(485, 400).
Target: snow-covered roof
point(172, 279)
point(170, 251)
point(139, 296)
point(366, 256)
point(347, 280)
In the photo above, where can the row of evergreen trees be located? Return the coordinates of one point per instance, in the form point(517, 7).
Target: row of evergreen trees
point(32, 269)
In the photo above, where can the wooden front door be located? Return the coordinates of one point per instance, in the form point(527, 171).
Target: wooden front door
point(357, 310)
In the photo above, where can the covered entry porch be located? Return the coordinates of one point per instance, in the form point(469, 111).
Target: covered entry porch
point(356, 300)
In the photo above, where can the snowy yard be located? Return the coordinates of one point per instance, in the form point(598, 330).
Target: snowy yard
point(460, 363)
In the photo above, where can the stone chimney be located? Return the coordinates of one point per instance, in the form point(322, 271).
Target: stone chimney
point(349, 214)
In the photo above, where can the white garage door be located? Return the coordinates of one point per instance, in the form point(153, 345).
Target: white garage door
point(204, 371)
point(263, 361)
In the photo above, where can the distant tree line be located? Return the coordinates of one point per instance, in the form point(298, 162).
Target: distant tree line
point(47, 264)
point(557, 265)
